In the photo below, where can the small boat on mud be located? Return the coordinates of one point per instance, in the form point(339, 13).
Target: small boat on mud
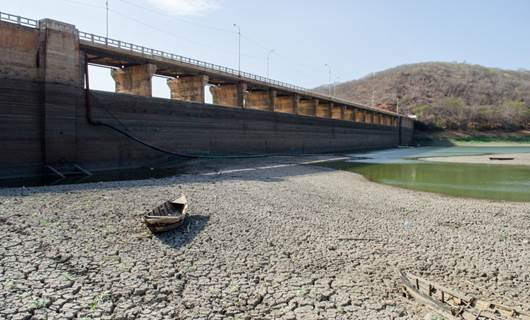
point(501, 158)
point(167, 216)
point(453, 305)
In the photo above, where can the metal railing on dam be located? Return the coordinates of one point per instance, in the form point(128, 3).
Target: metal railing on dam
point(19, 20)
point(89, 39)
point(95, 39)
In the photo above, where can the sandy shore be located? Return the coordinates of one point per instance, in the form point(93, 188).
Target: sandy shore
point(521, 159)
point(278, 242)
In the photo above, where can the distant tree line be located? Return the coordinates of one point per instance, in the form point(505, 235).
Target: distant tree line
point(448, 95)
point(452, 113)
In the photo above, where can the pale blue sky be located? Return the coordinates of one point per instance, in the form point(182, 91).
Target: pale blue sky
point(354, 37)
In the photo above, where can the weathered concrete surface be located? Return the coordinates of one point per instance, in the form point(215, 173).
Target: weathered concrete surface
point(406, 131)
point(189, 88)
point(19, 48)
point(61, 69)
point(323, 109)
point(171, 124)
point(21, 128)
point(40, 67)
point(60, 60)
point(261, 100)
point(337, 112)
point(368, 117)
point(229, 95)
point(135, 80)
point(193, 128)
point(359, 115)
point(256, 246)
point(308, 107)
point(348, 114)
point(43, 112)
point(287, 104)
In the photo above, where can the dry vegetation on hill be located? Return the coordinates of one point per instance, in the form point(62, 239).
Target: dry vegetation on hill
point(448, 95)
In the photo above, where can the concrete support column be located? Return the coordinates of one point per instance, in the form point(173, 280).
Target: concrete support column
point(190, 88)
point(287, 104)
point(324, 109)
point(272, 99)
point(261, 100)
point(296, 104)
point(229, 95)
point(308, 107)
point(61, 72)
point(358, 115)
point(337, 112)
point(368, 116)
point(377, 118)
point(135, 80)
point(348, 113)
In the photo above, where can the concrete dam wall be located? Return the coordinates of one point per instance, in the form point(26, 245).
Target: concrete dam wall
point(179, 126)
point(43, 116)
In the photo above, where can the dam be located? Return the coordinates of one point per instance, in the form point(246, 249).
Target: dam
point(51, 122)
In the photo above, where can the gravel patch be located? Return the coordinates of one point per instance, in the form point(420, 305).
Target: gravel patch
point(283, 242)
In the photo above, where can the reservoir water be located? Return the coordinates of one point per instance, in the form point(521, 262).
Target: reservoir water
point(404, 168)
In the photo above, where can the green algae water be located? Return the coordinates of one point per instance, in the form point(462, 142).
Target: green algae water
point(484, 181)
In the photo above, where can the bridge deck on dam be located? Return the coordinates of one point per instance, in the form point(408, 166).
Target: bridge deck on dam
point(110, 52)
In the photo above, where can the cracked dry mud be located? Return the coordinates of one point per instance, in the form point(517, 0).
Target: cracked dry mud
point(300, 242)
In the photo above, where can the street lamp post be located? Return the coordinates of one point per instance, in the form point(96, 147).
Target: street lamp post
point(269, 61)
point(335, 86)
point(238, 49)
point(329, 79)
point(107, 17)
point(373, 91)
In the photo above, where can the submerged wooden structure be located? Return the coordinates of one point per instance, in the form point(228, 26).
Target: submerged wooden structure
point(453, 305)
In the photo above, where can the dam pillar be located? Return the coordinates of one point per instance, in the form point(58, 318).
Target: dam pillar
point(347, 113)
point(337, 112)
point(377, 118)
point(354, 115)
point(288, 104)
point(368, 117)
point(261, 100)
point(188, 88)
point(229, 95)
point(324, 109)
point(61, 72)
point(308, 107)
point(135, 80)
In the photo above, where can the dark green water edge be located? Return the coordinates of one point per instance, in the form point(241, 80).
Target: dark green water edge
point(482, 181)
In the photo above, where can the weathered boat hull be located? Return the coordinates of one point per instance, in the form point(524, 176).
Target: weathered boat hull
point(167, 216)
point(453, 305)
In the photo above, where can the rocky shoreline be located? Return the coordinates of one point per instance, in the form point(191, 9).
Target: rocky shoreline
point(266, 239)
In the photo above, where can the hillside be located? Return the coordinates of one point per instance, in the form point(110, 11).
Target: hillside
point(448, 95)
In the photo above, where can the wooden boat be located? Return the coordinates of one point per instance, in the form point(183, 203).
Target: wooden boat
point(454, 305)
point(501, 158)
point(167, 216)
